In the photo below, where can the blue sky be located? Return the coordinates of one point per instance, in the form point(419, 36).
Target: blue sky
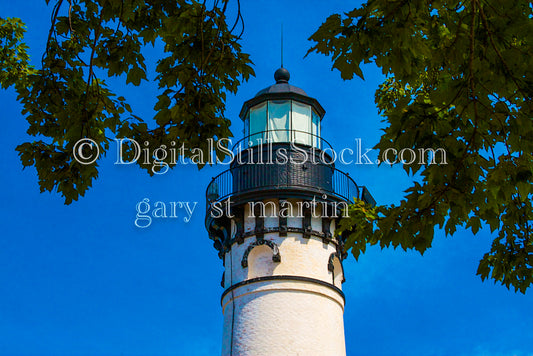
point(83, 280)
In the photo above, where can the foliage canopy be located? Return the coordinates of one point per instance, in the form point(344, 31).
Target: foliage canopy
point(458, 77)
point(66, 100)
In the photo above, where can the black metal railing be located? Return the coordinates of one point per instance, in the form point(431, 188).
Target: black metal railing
point(298, 137)
point(314, 177)
point(334, 183)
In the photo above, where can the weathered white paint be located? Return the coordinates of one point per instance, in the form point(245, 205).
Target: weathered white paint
point(283, 317)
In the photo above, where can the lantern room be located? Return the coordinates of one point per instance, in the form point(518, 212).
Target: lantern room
point(282, 113)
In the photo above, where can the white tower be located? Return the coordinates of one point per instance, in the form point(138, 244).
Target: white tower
point(272, 217)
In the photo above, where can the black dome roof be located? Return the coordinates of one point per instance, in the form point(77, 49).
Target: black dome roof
point(282, 88)
point(282, 85)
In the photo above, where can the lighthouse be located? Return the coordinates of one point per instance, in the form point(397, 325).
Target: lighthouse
point(272, 218)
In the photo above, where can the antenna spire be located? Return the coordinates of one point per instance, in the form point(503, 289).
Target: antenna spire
point(282, 75)
point(282, 45)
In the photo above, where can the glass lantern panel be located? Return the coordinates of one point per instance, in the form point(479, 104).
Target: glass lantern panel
point(278, 120)
point(316, 130)
point(247, 125)
point(301, 123)
point(258, 123)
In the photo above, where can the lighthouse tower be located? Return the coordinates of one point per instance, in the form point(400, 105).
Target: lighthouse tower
point(272, 217)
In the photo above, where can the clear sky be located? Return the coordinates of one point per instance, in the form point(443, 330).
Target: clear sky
point(83, 280)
